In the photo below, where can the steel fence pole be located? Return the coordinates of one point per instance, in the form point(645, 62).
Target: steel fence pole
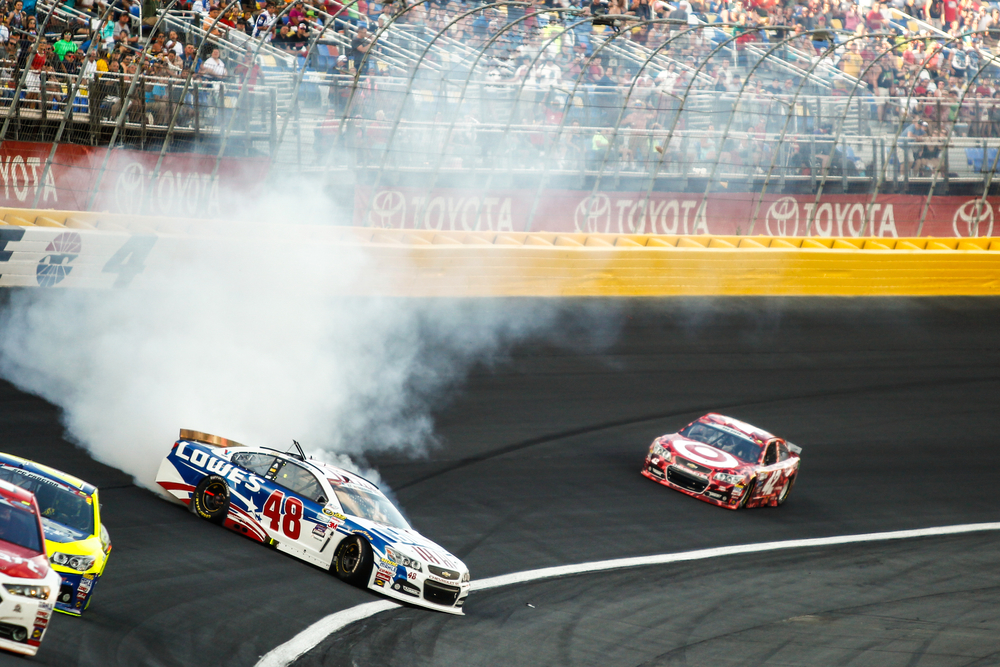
point(542, 182)
point(843, 117)
point(673, 126)
point(465, 85)
point(947, 144)
point(331, 19)
point(15, 103)
point(409, 85)
point(187, 82)
point(788, 117)
point(895, 139)
point(621, 112)
point(224, 136)
point(77, 82)
point(126, 104)
point(739, 96)
point(892, 151)
point(517, 98)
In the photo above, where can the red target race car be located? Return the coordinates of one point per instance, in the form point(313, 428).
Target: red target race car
point(725, 462)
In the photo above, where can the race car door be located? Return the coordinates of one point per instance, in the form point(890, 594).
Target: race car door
point(772, 470)
point(294, 512)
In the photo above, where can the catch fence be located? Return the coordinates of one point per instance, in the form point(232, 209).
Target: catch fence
point(608, 109)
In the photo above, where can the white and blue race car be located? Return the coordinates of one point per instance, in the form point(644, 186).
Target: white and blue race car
point(324, 515)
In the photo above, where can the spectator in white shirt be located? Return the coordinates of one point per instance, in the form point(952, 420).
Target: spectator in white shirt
point(264, 20)
point(213, 67)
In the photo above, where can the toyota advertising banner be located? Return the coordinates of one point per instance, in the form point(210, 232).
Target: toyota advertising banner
point(674, 213)
point(127, 181)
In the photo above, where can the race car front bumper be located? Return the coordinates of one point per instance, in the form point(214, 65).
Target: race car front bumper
point(75, 591)
point(23, 622)
point(687, 483)
point(421, 591)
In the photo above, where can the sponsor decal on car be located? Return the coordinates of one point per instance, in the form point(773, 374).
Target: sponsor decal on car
point(205, 461)
point(404, 587)
point(319, 531)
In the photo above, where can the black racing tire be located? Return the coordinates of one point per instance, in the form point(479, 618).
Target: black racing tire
point(353, 561)
point(786, 490)
point(751, 487)
point(210, 499)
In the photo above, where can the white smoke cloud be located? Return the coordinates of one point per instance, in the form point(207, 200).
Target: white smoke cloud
point(250, 340)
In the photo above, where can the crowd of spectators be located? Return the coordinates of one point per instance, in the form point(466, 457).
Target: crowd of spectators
point(926, 64)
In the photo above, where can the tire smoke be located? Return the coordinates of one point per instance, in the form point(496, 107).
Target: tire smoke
point(253, 341)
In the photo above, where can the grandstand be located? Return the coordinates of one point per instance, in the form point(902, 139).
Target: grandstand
point(799, 99)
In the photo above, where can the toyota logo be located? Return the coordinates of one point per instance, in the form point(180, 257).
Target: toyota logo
point(129, 190)
point(388, 208)
point(590, 212)
point(784, 213)
point(967, 223)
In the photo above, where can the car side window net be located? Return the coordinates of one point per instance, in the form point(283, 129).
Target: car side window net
point(770, 456)
point(296, 478)
point(783, 454)
point(258, 464)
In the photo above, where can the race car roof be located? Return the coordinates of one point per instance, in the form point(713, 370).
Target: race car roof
point(15, 493)
point(49, 473)
point(735, 424)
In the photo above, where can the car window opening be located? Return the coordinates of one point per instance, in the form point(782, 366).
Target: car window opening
point(371, 506)
point(19, 526)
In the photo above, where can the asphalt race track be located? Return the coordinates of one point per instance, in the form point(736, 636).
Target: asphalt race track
point(893, 401)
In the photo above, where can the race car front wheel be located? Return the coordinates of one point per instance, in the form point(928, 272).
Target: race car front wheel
point(210, 499)
point(353, 562)
point(749, 492)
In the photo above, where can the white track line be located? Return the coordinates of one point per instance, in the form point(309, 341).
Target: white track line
point(310, 637)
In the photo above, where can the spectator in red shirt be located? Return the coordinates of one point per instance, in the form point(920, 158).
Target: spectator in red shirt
point(874, 20)
point(951, 12)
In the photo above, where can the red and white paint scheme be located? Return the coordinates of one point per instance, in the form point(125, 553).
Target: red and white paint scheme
point(29, 586)
point(725, 462)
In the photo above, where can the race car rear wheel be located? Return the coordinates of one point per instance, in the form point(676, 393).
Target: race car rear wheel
point(210, 499)
point(786, 490)
point(353, 562)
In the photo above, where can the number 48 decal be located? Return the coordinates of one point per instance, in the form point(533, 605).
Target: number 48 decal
point(284, 511)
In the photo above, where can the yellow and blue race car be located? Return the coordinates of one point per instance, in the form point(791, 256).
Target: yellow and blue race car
point(77, 543)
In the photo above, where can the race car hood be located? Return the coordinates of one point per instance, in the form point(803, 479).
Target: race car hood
point(705, 455)
point(61, 533)
point(21, 563)
point(416, 545)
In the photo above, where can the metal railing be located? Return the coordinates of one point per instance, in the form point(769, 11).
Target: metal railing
point(690, 110)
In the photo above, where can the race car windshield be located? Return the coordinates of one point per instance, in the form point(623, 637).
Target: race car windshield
point(740, 447)
point(371, 506)
point(19, 526)
point(55, 502)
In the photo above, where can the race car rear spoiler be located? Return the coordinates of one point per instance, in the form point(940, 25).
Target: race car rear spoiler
point(208, 439)
point(794, 449)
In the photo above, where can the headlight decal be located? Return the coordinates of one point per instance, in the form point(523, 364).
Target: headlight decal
point(403, 560)
point(727, 478)
point(39, 592)
point(78, 563)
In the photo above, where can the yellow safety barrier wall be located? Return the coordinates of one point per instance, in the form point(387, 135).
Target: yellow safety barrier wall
point(67, 249)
